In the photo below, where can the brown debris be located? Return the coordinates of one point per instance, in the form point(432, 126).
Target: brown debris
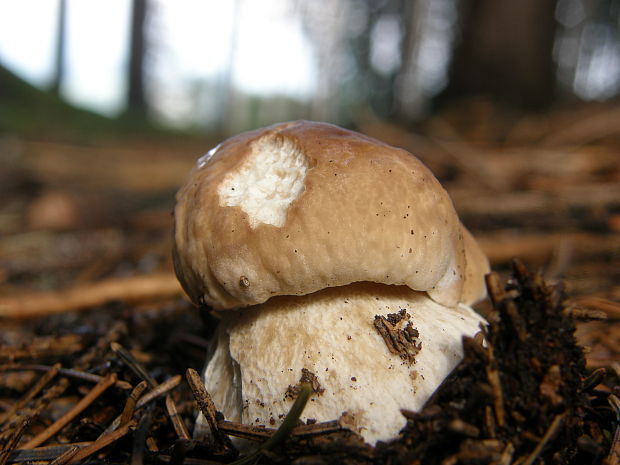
point(551, 385)
point(347, 421)
point(461, 427)
point(307, 377)
point(399, 340)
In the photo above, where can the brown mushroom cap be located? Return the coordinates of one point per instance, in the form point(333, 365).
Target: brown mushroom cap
point(298, 207)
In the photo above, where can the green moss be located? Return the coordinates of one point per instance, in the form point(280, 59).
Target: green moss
point(28, 111)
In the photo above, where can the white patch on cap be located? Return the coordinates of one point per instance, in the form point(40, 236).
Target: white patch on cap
point(267, 182)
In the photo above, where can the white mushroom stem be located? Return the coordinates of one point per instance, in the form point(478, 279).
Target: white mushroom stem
point(332, 333)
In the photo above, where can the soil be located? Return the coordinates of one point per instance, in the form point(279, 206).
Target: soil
point(522, 396)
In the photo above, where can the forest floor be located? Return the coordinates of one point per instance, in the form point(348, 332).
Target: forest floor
point(89, 305)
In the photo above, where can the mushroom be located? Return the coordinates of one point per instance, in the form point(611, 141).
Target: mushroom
point(330, 258)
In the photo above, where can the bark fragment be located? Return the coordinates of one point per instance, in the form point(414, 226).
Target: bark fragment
point(400, 338)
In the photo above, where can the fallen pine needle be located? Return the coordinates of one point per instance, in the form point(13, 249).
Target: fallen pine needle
point(289, 422)
point(553, 429)
point(135, 288)
point(43, 453)
point(132, 400)
point(32, 393)
point(141, 372)
point(159, 391)
point(87, 400)
point(102, 442)
point(205, 403)
point(66, 372)
point(13, 440)
point(66, 456)
point(176, 419)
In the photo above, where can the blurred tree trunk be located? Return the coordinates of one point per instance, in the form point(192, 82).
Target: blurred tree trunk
point(375, 87)
point(369, 84)
point(226, 96)
point(136, 99)
point(406, 97)
point(59, 58)
point(505, 51)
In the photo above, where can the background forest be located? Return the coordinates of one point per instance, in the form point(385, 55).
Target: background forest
point(229, 66)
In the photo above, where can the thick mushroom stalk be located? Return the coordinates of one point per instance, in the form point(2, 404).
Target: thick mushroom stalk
point(369, 349)
point(331, 258)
